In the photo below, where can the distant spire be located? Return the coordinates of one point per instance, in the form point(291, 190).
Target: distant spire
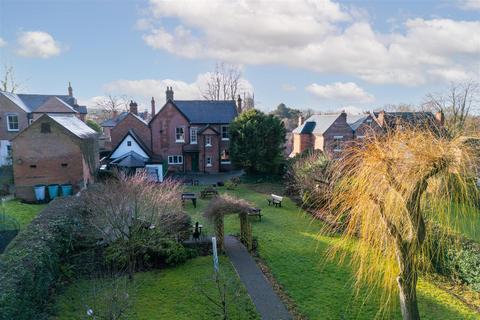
point(70, 90)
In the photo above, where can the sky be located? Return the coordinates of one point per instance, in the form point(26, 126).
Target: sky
point(309, 54)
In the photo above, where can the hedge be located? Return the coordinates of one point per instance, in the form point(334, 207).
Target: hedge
point(31, 265)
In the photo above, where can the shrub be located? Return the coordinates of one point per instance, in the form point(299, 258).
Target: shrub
point(307, 179)
point(30, 266)
point(458, 259)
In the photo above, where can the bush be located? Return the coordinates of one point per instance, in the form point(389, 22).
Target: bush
point(307, 179)
point(31, 265)
point(459, 259)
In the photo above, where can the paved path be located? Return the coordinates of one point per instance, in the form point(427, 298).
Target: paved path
point(268, 304)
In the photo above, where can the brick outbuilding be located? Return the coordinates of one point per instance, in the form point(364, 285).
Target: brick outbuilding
point(54, 149)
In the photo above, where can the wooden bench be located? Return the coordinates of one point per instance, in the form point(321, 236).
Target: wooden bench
point(275, 200)
point(208, 192)
point(255, 212)
point(189, 196)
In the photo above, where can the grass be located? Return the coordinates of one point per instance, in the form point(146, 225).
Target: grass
point(172, 293)
point(22, 212)
point(468, 224)
point(290, 245)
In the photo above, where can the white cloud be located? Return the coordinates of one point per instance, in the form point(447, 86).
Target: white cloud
point(317, 35)
point(144, 89)
point(338, 91)
point(3, 43)
point(38, 44)
point(470, 4)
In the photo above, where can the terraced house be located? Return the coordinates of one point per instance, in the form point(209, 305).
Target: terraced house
point(185, 135)
point(18, 111)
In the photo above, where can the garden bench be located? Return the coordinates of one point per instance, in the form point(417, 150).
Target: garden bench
point(189, 196)
point(255, 212)
point(208, 192)
point(275, 200)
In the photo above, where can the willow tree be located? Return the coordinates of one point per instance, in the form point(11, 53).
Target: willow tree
point(224, 205)
point(393, 190)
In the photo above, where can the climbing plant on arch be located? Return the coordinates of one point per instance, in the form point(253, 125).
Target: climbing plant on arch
point(224, 205)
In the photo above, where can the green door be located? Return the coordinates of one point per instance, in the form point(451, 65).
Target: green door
point(194, 161)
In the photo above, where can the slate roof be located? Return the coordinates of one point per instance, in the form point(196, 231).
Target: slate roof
point(73, 125)
point(112, 122)
point(412, 118)
point(31, 102)
point(130, 160)
point(207, 112)
point(319, 123)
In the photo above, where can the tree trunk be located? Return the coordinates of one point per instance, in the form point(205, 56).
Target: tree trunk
point(407, 285)
point(219, 232)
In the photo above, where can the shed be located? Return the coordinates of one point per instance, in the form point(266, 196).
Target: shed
point(55, 149)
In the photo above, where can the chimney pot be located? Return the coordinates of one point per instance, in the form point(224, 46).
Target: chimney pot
point(133, 107)
point(169, 93)
point(239, 104)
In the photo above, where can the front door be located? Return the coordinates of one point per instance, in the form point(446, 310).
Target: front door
point(195, 161)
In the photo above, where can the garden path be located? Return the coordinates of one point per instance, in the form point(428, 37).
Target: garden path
point(267, 302)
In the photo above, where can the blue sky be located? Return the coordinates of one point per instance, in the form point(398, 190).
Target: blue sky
point(323, 55)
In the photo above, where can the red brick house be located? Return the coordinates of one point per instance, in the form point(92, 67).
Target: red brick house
point(18, 111)
point(331, 133)
point(187, 135)
point(54, 149)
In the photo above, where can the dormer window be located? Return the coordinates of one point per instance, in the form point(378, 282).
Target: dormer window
point(12, 122)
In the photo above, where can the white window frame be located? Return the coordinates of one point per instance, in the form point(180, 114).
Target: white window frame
point(182, 136)
point(209, 161)
point(8, 115)
point(193, 133)
point(224, 161)
point(175, 159)
point(221, 132)
point(360, 137)
point(208, 141)
point(336, 147)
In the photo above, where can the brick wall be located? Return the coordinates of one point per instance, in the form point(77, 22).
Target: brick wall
point(6, 107)
point(47, 158)
point(163, 131)
point(339, 127)
point(130, 122)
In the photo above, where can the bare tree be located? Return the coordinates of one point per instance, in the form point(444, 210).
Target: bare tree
point(457, 104)
point(112, 105)
point(132, 212)
point(224, 82)
point(8, 81)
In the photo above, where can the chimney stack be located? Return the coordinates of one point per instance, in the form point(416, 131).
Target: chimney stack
point(169, 93)
point(133, 107)
point(301, 119)
point(440, 118)
point(70, 89)
point(239, 105)
point(381, 118)
point(153, 107)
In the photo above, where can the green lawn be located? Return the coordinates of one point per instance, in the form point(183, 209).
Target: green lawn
point(22, 212)
point(291, 246)
point(173, 293)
